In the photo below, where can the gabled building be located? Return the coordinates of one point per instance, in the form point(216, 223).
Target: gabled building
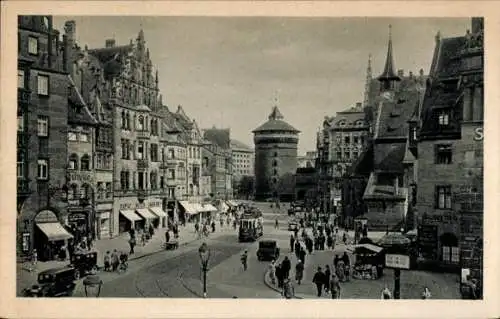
point(450, 151)
point(217, 161)
point(42, 149)
point(387, 196)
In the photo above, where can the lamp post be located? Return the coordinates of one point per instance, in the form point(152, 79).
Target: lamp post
point(204, 252)
point(94, 282)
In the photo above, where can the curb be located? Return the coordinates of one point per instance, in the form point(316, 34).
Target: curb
point(271, 286)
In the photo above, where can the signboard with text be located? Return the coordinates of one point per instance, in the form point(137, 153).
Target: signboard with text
point(397, 261)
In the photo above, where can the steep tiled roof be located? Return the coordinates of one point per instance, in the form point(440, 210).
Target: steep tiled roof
point(395, 114)
point(393, 161)
point(111, 58)
point(237, 145)
point(448, 60)
point(220, 137)
point(364, 163)
point(78, 112)
point(348, 118)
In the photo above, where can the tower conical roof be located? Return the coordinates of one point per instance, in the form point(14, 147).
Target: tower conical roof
point(275, 123)
point(276, 114)
point(389, 74)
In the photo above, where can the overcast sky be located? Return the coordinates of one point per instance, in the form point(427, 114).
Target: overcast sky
point(227, 71)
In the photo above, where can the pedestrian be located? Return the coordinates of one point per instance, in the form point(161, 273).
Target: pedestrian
point(319, 280)
point(132, 245)
point(316, 243)
point(327, 278)
point(34, 258)
point(426, 294)
point(344, 238)
point(272, 271)
point(329, 241)
point(197, 228)
point(107, 262)
point(292, 242)
point(244, 260)
point(143, 238)
point(347, 265)
point(176, 230)
point(309, 245)
point(288, 289)
point(213, 226)
point(299, 271)
point(386, 294)
point(114, 260)
point(335, 286)
point(167, 236)
point(297, 249)
point(286, 265)
point(302, 255)
point(276, 224)
point(336, 261)
point(279, 275)
point(322, 240)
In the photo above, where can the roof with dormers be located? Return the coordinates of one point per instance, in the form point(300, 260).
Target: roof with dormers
point(275, 123)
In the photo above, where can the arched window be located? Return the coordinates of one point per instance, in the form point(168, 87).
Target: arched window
point(73, 161)
point(140, 123)
point(73, 191)
point(275, 163)
point(85, 163)
point(275, 172)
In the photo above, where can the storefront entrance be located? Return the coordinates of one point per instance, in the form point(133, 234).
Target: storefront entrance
point(79, 225)
point(49, 235)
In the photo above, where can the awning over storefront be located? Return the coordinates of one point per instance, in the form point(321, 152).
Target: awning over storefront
point(188, 207)
point(223, 207)
point(209, 208)
point(232, 203)
point(54, 231)
point(144, 212)
point(197, 207)
point(130, 215)
point(158, 211)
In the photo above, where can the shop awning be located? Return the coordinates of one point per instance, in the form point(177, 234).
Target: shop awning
point(188, 207)
point(198, 207)
point(144, 212)
point(130, 215)
point(223, 207)
point(209, 208)
point(232, 203)
point(158, 211)
point(54, 231)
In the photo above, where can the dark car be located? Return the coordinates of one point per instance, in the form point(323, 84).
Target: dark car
point(84, 262)
point(268, 250)
point(54, 282)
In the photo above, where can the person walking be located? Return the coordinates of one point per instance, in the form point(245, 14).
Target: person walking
point(167, 236)
point(221, 221)
point(302, 255)
point(286, 265)
point(176, 230)
point(279, 275)
point(197, 229)
point(327, 278)
point(244, 260)
point(299, 271)
point(319, 280)
point(347, 265)
point(335, 286)
point(131, 242)
point(276, 224)
point(309, 245)
point(107, 261)
point(292, 242)
point(297, 249)
point(329, 241)
point(272, 271)
point(344, 238)
point(115, 261)
point(288, 289)
point(213, 226)
point(426, 294)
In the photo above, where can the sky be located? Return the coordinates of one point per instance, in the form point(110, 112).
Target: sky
point(231, 71)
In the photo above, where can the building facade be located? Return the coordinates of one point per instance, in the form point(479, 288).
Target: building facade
point(42, 149)
point(243, 160)
point(218, 161)
point(450, 149)
point(308, 160)
point(275, 158)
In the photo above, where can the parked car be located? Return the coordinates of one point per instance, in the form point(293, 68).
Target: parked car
point(54, 282)
point(268, 250)
point(84, 262)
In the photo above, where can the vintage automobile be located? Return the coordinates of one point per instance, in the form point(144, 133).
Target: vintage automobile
point(84, 262)
point(268, 250)
point(54, 282)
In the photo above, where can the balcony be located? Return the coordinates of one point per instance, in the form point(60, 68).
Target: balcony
point(142, 164)
point(143, 135)
point(23, 96)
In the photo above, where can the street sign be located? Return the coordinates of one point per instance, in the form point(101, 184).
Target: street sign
point(397, 261)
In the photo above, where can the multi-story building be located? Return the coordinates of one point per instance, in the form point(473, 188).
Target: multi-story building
point(275, 158)
point(345, 137)
point(242, 159)
point(450, 154)
point(134, 97)
point(217, 158)
point(308, 160)
point(41, 136)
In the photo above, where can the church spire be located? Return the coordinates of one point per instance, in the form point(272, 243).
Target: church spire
point(368, 81)
point(388, 77)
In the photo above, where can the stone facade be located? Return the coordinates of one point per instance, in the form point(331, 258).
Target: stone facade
point(275, 158)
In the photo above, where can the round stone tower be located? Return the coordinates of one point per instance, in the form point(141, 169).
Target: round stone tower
point(275, 158)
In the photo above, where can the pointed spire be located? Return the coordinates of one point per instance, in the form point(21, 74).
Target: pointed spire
point(388, 76)
point(275, 114)
point(368, 81)
point(140, 37)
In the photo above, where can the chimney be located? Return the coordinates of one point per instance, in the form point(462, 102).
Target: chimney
point(70, 30)
point(110, 43)
point(401, 73)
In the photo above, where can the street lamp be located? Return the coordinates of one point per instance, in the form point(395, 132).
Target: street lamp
point(204, 258)
point(94, 283)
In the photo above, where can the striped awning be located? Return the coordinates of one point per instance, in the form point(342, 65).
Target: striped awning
point(158, 211)
point(223, 207)
point(130, 215)
point(209, 208)
point(54, 231)
point(232, 203)
point(188, 207)
point(144, 212)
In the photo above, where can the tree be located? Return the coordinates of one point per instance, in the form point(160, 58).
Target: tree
point(246, 186)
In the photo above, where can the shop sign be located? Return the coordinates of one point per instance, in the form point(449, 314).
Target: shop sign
point(127, 206)
point(441, 219)
point(73, 217)
point(82, 177)
point(397, 261)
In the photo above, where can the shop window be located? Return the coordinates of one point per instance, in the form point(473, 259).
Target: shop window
point(443, 154)
point(140, 150)
point(43, 169)
point(43, 84)
point(85, 163)
point(449, 248)
point(443, 197)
